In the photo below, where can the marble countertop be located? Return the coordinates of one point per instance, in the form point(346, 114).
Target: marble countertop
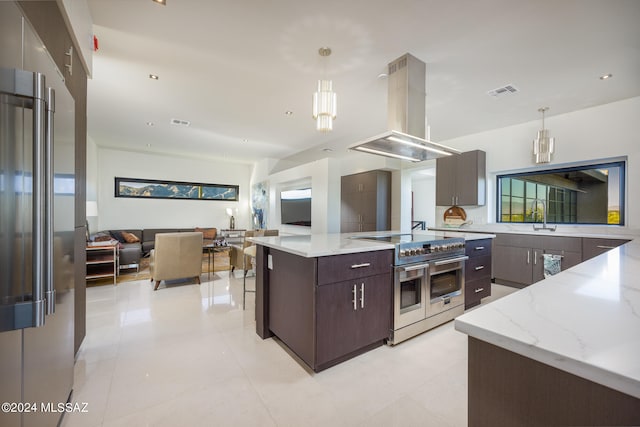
point(595, 231)
point(316, 245)
point(585, 320)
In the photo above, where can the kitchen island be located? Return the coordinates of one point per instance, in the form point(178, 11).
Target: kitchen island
point(328, 297)
point(563, 351)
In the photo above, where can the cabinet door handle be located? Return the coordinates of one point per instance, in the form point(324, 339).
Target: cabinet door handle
point(480, 267)
point(605, 247)
point(453, 200)
point(362, 295)
point(535, 257)
point(479, 290)
point(354, 291)
point(528, 257)
point(364, 264)
point(479, 248)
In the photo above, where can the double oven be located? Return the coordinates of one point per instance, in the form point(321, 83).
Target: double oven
point(428, 282)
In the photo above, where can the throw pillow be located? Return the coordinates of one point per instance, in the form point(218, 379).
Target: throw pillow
point(102, 237)
point(118, 236)
point(130, 237)
point(207, 233)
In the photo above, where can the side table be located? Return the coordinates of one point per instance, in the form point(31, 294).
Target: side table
point(102, 261)
point(211, 260)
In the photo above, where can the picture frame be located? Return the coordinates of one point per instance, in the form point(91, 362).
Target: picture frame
point(174, 190)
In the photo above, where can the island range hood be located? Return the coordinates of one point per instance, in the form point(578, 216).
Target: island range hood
point(406, 112)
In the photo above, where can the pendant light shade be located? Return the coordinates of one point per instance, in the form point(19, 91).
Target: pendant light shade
point(543, 145)
point(324, 101)
point(324, 106)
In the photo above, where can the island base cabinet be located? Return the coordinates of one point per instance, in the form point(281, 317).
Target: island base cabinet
point(322, 320)
point(351, 316)
point(508, 389)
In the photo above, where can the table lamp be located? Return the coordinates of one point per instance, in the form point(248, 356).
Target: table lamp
point(232, 220)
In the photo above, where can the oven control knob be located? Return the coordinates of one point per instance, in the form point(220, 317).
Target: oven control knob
point(419, 251)
point(402, 253)
point(413, 251)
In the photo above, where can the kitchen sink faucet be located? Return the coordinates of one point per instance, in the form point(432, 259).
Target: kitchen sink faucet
point(534, 211)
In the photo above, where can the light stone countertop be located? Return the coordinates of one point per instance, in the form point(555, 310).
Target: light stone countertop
point(317, 245)
point(564, 230)
point(585, 320)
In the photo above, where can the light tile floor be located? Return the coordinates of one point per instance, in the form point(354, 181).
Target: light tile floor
point(188, 355)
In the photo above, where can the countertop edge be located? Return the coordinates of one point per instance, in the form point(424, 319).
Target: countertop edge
point(576, 367)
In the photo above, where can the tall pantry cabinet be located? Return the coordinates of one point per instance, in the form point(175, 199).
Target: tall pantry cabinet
point(366, 202)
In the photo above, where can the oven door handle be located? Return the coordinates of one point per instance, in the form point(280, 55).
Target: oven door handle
point(414, 267)
point(451, 261)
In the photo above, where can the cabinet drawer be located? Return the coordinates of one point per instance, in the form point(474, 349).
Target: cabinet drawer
point(475, 290)
point(474, 248)
point(337, 268)
point(478, 268)
point(592, 247)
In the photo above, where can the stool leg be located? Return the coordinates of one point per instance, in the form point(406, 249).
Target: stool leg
point(244, 279)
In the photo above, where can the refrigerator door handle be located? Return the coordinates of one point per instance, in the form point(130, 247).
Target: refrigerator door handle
point(39, 197)
point(49, 285)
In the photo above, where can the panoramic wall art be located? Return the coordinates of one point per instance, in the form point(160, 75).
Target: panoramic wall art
point(159, 189)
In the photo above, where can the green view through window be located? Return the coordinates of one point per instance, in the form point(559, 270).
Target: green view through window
point(590, 194)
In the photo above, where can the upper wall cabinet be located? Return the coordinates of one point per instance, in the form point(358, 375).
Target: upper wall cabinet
point(460, 179)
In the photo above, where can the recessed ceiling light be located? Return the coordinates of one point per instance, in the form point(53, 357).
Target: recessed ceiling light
point(606, 76)
point(327, 150)
point(162, 2)
point(245, 140)
point(150, 123)
point(148, 145)
point(383, 76)
point(153, 77)
point(288, 113)
point(180, 122)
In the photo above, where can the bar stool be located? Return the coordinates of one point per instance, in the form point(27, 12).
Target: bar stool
point(249, 251)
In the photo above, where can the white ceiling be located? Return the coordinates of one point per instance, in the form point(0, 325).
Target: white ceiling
point(232, 68)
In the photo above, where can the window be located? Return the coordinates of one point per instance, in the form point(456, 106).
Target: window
point(588, 194)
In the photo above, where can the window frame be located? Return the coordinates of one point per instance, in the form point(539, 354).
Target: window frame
point(620, 162)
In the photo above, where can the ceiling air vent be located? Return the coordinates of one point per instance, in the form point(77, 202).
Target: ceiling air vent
point(179, 122)
point(503, 90)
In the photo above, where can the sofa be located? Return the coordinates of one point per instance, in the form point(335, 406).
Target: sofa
point(131, 251)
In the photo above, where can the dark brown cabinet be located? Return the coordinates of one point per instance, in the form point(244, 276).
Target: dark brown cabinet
point(477, 274)
point(366, 202)
point(592, 247)
point(519, 258)
point(327, 309)
point(460, 179)
point(351, 315)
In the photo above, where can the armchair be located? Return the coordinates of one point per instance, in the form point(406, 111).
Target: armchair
point(176, 256)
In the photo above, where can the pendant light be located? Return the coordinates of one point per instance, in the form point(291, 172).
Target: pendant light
point(543, 145)
point(324, 101)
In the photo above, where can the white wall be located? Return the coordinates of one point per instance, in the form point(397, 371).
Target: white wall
point(606, 131)
point(118, 213)
point(424, 200)
point(324, 177)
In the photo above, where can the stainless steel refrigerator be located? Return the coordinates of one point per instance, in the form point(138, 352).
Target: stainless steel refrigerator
point(37, 192)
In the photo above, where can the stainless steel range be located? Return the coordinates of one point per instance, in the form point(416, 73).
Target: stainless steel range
point(428, 282)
